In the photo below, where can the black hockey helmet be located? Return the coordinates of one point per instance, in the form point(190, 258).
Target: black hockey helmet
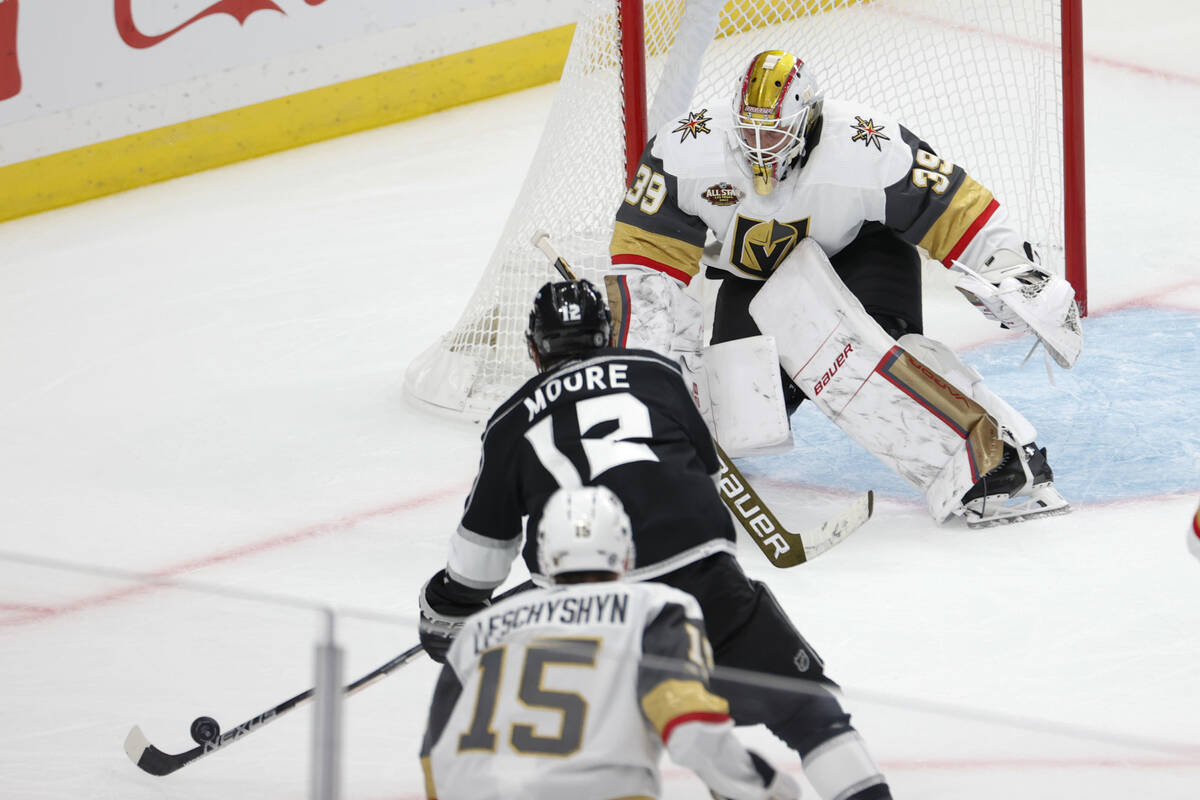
point(567, 319)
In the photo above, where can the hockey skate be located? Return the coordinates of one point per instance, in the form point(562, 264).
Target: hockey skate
point(1020, 488)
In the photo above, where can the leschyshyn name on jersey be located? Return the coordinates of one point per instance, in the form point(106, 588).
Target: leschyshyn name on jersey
point(596, 608)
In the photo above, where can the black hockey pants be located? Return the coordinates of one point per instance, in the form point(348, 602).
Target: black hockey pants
point(749, 631)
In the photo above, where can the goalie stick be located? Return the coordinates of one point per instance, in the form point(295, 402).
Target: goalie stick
point(150, 759)
point(782, 547)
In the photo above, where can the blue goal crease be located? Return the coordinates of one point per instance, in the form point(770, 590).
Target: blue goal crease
point(1124, 423)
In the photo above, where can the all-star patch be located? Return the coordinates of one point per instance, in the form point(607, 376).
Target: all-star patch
point(722, 194)
point(695, 124)
point(867, 132)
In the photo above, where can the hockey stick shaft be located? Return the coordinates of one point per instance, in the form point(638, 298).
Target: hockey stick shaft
point(156, 762)
point(541, 240)
point(782, 547)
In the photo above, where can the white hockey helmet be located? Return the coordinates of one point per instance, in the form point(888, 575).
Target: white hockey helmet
point(584, 530)
point(776, 106)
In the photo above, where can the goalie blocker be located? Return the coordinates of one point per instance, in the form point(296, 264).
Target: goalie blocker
point(735, 384)
point(911, 403)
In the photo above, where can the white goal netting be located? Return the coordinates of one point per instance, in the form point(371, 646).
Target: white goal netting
point(980, 80)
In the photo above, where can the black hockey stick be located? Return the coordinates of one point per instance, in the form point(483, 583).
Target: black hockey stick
point(209, 738)
point(782, 547)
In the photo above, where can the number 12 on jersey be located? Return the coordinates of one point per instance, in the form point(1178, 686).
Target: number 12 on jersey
point(601, 453)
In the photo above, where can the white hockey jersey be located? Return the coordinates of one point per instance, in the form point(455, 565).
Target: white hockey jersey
point(862, 168)
point(570, 692)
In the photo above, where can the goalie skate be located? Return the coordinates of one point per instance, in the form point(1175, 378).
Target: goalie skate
point(1021, 488)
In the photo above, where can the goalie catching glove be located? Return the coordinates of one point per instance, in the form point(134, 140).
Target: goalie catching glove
point(1025, 297)
point(445, 605)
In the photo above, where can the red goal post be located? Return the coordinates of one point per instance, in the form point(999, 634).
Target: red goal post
point(995, 85)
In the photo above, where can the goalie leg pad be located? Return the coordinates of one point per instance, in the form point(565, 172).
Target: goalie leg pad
point(1027, 491)
point(903, 412)
point(1015, 428)
point(736, 387)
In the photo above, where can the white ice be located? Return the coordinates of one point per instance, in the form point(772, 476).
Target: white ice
point(201, 380)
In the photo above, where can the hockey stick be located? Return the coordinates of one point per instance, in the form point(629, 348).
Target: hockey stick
point(782, 547)
point(210, 739)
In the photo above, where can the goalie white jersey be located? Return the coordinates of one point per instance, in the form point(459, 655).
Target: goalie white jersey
point(571, 691)
point(861, 168)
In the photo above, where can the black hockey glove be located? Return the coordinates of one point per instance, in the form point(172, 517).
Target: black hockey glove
point(445, 604)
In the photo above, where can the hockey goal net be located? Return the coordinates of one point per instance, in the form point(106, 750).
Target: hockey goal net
point(981, 80)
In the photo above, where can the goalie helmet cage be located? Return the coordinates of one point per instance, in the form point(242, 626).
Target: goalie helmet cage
point(995, 85)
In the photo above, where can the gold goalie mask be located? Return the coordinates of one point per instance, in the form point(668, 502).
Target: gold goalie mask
point(776, 107)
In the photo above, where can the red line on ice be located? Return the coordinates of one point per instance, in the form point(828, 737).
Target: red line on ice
point(30, 614)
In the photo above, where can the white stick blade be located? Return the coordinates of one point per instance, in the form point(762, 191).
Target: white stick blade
point(136, 743)
point(834, 530)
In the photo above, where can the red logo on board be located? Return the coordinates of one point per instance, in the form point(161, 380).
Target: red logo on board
point(238, 9)
point(10, 69)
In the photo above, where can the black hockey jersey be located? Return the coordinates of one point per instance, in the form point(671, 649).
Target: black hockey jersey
point(621, 419)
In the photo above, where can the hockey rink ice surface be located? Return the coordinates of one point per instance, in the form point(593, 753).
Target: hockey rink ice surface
point(201, 380)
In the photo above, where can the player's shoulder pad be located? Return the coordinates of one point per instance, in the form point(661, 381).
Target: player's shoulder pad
point(693, 145)
point(858, 148)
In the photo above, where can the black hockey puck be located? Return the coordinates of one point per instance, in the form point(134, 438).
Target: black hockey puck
point(204, 730)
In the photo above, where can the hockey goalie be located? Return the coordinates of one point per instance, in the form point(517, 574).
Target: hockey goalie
point(814, 213)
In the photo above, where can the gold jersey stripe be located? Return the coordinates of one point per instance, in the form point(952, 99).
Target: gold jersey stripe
point(968, 203)
point(427, 768)
point(676, 255)
point(674, 698)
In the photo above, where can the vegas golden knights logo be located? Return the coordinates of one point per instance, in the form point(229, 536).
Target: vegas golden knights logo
point(759, 246)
